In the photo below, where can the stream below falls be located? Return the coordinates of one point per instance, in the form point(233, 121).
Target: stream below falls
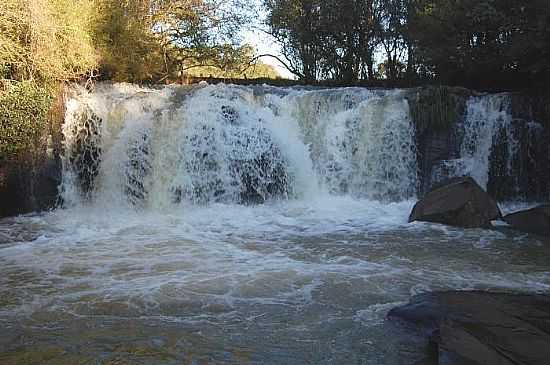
point(223, 225)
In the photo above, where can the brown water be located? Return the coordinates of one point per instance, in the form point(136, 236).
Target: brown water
point(285, 283)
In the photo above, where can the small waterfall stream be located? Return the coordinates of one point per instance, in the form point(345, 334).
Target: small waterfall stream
point(495, 149)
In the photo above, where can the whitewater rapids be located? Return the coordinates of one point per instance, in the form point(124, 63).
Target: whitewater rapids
point(238, 225)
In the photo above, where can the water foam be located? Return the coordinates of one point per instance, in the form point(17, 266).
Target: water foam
point(225, 144)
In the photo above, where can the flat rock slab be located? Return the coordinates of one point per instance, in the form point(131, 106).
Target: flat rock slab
point(536, 220)
point(480, 328)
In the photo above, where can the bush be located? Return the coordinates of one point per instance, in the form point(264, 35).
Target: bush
point(24, 110)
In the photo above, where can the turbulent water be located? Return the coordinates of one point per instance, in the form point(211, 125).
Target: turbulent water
point(241, 225)
point(230, 144)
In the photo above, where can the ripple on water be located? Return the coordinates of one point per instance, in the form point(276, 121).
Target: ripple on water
point(288, 282)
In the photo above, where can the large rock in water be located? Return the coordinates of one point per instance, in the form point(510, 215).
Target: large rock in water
point(461, 202)
point(535, 220)
point(479, 328)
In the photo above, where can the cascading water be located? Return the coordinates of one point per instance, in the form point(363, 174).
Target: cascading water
point(233, 144)
point(161, 254)
point(362, 142)
point(486, 116)
point(492, 143)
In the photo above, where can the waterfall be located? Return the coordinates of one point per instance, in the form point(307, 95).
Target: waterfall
point(495, 148)
point(362, 142)
point(486, 116)
point(156, 148)
point(175, 145)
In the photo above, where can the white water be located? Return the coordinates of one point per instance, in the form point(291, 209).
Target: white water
point(161, 148)
point(489, 118)
point(159, 252)
point(485, 117)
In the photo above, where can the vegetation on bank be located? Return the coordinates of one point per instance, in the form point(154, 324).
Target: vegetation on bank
point(47, 42)
point(24, 108)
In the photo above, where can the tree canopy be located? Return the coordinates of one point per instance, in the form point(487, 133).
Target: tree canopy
point(474, 43)
point(121, 40)
point(47, 42)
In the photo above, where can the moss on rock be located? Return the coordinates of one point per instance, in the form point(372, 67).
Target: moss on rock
point(437, 107)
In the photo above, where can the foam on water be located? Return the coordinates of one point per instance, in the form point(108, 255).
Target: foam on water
point(161, 229)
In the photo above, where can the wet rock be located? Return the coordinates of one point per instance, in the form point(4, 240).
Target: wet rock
point(28, 184)
point(482, 328)
point(536, 220)
point(436, 112)
point(459, 202)
point(138, 168)
point(85, 152)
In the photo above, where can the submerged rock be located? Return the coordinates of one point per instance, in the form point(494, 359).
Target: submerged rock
point(460, 202)
point(481, 328)
point(536, 220)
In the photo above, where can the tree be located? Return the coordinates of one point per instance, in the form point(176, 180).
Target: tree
point(46, 40)
point(487, 43)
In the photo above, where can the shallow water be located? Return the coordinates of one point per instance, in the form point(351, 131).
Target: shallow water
point(289, 282)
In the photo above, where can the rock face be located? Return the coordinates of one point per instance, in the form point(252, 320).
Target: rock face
point(460, 202)
point(436, 112)
point(479, 328)
point(535, 220)
point(29, 185)
point(519, 157)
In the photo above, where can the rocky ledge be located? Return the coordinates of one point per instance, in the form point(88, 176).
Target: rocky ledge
point(481, 328)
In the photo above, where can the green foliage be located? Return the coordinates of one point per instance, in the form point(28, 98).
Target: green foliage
point(48, 40)
point(255, 71)
point(233, 63)
point(42, 43)
point(128, 48)
point(24, 110)
point(498, 43)
point(154, 40)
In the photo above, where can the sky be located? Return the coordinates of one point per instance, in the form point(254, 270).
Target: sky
point(264, 43)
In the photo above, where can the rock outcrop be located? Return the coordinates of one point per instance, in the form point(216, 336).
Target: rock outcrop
point(460, 202)
point(536, 220)
point(480, 328)
point(29, 184)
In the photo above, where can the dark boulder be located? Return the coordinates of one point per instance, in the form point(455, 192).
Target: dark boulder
point(536, 220)
point(460, 202)
point(482, 328)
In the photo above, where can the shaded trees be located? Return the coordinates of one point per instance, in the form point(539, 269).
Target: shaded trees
point(475, 43)
point(491, 43)
point(332, 39)
point(295, 25)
